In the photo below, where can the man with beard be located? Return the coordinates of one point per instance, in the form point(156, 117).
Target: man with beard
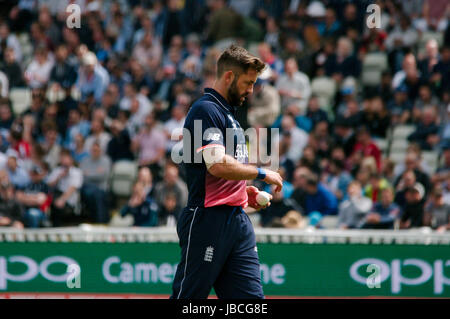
point(218, 246)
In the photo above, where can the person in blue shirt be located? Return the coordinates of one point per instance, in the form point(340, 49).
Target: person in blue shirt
point(384, 213)
point(18, 176)
point(319, 198)
point(143, 208)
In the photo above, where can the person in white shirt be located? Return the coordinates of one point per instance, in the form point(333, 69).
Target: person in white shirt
point(4, 85)
point(294, 86)
point(66, 180)
point(97, 134)
point(38, 71)
point(174, 126)
point(131, 93)
point(11, 41)
point(293, 139)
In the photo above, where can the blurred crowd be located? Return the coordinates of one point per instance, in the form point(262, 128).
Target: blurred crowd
point(118, 88)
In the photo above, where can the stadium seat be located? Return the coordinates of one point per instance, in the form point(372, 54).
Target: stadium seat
point(402, 131)
point(20, 99)
point(329, 222)
point(431, 158)
point(382, 144)
point(397, 157)
point(373, 66)
point(399, 145)
point(325, 88)
point(122, 177)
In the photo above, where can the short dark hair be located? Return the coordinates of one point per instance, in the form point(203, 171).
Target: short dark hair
point(238, 60)
point(312, 179)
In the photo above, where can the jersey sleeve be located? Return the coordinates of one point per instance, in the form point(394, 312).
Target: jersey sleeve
point(212, 123)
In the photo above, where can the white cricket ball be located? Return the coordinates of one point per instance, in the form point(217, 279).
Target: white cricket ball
point(263, 198)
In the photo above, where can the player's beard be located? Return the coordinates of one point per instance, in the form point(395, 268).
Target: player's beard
point(234, 98)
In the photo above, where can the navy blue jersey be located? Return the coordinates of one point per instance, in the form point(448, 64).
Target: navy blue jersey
point(215, 116)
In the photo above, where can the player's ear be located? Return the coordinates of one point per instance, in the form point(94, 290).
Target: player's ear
point(229, 77)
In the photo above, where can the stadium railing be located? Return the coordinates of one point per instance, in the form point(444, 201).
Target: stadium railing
point(88, 233)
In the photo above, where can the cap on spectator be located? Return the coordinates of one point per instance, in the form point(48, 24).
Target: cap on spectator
point(316, 9)
point(418, 188)
point(89, 58)
point(12, 153)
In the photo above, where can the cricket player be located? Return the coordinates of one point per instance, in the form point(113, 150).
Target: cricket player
point(218, 246)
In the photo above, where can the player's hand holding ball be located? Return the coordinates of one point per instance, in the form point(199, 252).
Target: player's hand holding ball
point(258, 199)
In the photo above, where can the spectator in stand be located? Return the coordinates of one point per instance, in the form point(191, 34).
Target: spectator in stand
point(224, 22)
point(11, 67)
point(94, 192)
point(366, 146)
point(412, 213)
point(440, 77)
point(424, 99)
point(264, 105)
point(6, 115)
point(375, 187)
point(338, 179)
point(146, 179)
point(402, 36)
point(353, 211)
point(437, 211)
point(91, 78)
point(275, 65)
point(279, 207)
point(314, 112)
point(430, 60)
point(17, 175)
point(427, 131)
point(150, 145)
point(293, 86)
point(343, 63)
point(75, 125)
point(171, 184)
point(142, 207)
point(344, 136)
point(65, 181)
point(119, 147)
point(11, 212)
point(79, 153)
point(384, 213)
point(299, 183)
point(38, 71)
point(376, 118)
point(49, 143)
point(319, 198)
point(9, 40)
point(443, 171)
point(174, 126)
point(36, 198)
point(98, 134)
point(400, 107)
point(62, 74)
point(292, 140)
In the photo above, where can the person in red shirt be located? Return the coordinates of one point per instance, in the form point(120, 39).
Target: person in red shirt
point(366, 146)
